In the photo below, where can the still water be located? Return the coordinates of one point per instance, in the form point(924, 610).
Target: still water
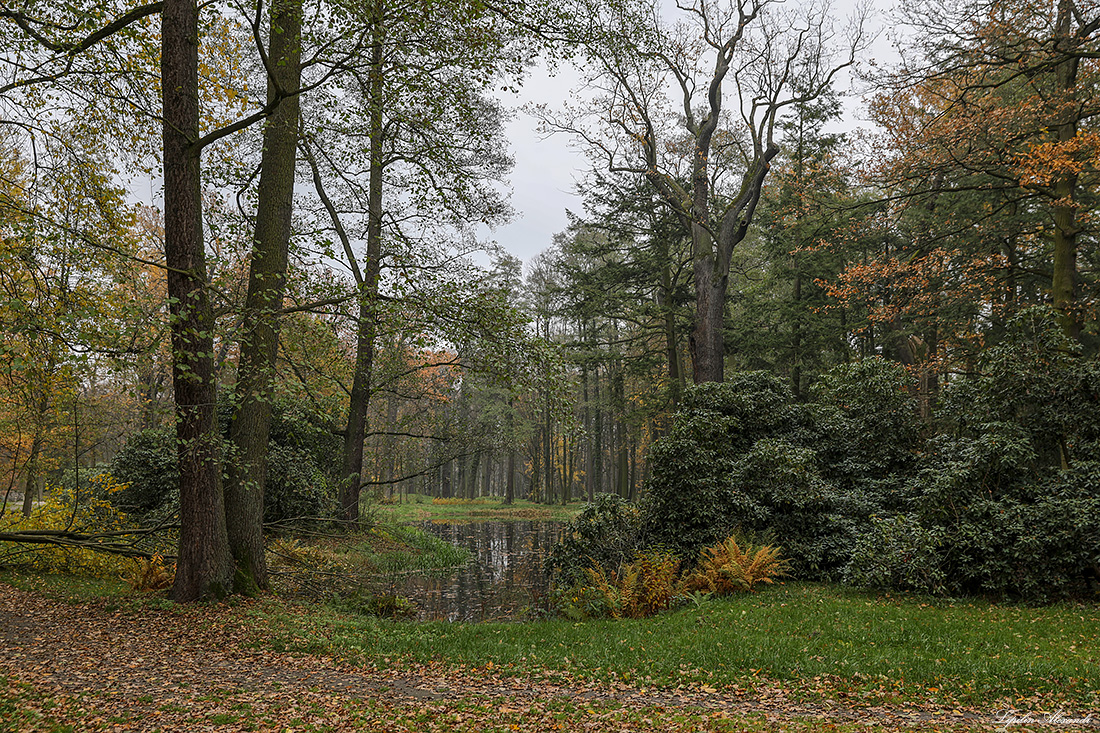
point(504, 580)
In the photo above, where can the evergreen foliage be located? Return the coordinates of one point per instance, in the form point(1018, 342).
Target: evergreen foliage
point(1002, 501)
point(302, 453)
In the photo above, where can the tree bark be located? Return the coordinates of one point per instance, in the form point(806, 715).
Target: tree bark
point(251, 426)
point(368, 290)
point(204, 568)
point(510, 482)
point(30, 485)
point(1063, 283)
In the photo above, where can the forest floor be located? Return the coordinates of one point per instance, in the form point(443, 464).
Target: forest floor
point(99, 666)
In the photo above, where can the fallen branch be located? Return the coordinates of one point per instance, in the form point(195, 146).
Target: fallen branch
point(106, 542)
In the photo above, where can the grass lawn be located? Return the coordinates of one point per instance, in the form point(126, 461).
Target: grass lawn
point(829, 640)
point(418, 508)
point(813, 644)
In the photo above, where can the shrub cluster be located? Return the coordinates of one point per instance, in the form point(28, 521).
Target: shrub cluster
point(301, 454)
point(998, 496)
point(65, 510)
point(1005, 501)
point(743, 455)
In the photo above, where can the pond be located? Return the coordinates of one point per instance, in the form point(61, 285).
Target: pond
point(504, 580)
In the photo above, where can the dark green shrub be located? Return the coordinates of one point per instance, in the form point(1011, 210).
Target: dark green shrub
point(1036, 381)
point(780, 492)
point(869, 432)
point(697, 494)
point(296, 488)
point(1009, 490)
point(1037, 538)
point(302, 453)
point(606, 534)
point(147, 463)
point(742, 455)
point(897, 552)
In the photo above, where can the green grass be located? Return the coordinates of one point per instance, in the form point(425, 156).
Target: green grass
point(815, 641)
point(388, 547)
point(420, 508)
point(24, 709)
point(73, 588)
point(885, 648)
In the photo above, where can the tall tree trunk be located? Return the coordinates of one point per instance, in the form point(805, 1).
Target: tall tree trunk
point(150, 381)
point(368, 290)
point(251, 426)
point(713, 254)
point(707, 338)
point(471, 475)
point(356, 430)
point(390, 452)
point(796, 334)
point(622, 477)
point(547, 454)
point(1063, 284)
point(589, 463)
point(633, 468)
point(536, 466)
point(568, 457)
point(487, 475)
point(672, 347)
point(33, 473)
point(597, 434)
point(445, 479)
point(204, 567)
point(510, 481)
point(460, 479)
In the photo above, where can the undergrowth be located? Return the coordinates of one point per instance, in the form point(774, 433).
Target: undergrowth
point(653, 582)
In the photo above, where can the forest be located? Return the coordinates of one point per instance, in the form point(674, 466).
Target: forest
point(873, 347)
point(793, 426)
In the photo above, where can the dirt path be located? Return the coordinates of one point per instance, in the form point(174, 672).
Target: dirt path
point(192, 669)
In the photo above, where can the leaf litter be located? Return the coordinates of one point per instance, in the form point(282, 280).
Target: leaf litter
point(84, 667)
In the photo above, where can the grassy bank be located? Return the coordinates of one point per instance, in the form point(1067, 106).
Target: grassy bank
point(829, 640)
point(418, 508)
point(818, 640)
point(810, 644)
point(389, 547)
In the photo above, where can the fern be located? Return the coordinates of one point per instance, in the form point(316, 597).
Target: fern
point(151, 575)
point(640, 589)
point(732, 566)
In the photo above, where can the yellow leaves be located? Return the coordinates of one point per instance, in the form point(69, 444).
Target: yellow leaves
point(106, 484)
point(150, 575)
point(79, 513)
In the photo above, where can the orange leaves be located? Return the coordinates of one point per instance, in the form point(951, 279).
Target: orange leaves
point(1043, 163)
point(946, 288)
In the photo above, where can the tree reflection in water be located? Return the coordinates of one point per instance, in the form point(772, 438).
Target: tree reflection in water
point(505, 579)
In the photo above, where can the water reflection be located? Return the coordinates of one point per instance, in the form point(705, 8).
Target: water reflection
point(505, 579)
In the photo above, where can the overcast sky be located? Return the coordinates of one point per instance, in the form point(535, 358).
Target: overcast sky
point(545, 172)
point(546, 169)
